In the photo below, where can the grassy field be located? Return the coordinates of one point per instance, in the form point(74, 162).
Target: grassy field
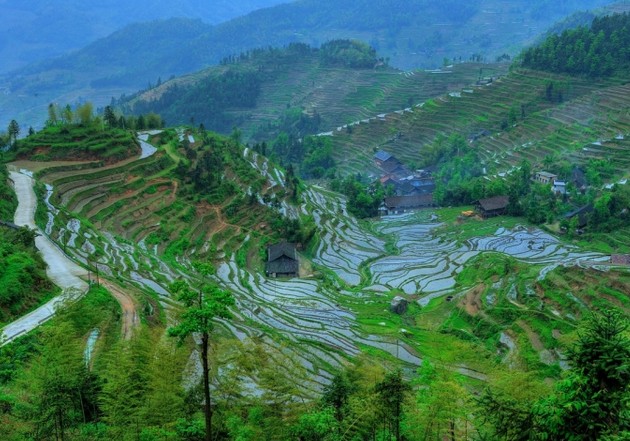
point(76, 142)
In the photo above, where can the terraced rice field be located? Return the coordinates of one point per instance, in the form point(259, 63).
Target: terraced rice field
point(341, 96)
point(127, 220)
point(590, 112)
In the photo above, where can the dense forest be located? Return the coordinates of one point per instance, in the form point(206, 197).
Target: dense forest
point(598, 51)
point(50, 388)
point(311, 156)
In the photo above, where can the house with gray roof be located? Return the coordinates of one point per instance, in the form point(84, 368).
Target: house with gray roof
point(282, 261)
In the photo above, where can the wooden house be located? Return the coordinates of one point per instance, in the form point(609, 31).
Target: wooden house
point(282, 261)
point(403, 204)
point(581, 213)
point(494, 206)
point(381, 157)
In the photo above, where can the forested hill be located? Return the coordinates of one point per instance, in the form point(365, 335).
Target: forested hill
point(601, 50)
point(299, 90)
point(229, 95)
point(584, 18)
point(412, 33)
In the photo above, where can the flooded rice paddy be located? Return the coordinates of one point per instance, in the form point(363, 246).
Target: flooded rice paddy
point(402, 253)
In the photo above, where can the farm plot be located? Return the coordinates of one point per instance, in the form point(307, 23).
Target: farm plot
point(145, 235)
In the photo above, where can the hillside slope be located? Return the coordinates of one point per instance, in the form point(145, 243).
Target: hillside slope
point(515, 119)
point(181, 213)
point(295, 91)
point(421, 33)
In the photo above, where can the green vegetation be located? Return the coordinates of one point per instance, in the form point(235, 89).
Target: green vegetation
point(8, 201)
point(590, 403)
point(127, 391)
point(312, 156)
point(601, 50)
point(205, 207)
point(23, 281)
point(204, 306)
point(363, 201)
point(209, 101)
point(292, 90)
point(77, 136)
point(353, 54)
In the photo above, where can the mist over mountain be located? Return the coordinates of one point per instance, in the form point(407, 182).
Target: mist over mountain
point(322, 221)
point(411, 34)
point(34, 30)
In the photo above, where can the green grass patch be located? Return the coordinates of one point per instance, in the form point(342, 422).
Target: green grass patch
point(467, 228)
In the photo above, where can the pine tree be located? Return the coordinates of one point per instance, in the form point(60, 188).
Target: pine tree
point(13, 131)
point(110, 117)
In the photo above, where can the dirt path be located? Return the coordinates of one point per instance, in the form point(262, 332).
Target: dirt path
point(534, 338)
point(62, 271)
point(130, 318)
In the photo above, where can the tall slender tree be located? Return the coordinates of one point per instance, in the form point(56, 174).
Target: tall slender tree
point(201, 308)
point(392, 392)
point(110, 117)
point(593, 402)
point(52, 114)
point(13, 131)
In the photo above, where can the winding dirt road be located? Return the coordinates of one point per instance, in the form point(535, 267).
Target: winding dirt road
point(60, 269)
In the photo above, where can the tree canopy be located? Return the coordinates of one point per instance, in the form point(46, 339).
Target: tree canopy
point(599, 51)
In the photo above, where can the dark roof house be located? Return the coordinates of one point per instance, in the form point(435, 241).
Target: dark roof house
point(402, 204)
point(582, 215)
point(282, 260)
point(381, 156)
point(493, 206)
point(578, 178)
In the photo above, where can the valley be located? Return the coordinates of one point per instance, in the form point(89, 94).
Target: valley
point(317, 246)
point(111, 218)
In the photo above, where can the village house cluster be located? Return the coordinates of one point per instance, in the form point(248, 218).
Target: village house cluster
point(412, 189)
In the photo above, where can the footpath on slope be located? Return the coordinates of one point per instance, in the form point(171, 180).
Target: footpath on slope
point(60, 269)
point(129, 314)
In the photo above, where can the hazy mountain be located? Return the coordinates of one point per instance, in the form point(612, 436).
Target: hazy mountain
point(412, 33)
point(34, 30)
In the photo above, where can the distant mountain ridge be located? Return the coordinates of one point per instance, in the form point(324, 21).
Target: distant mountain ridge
point(411, 33)
point(34, 30)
